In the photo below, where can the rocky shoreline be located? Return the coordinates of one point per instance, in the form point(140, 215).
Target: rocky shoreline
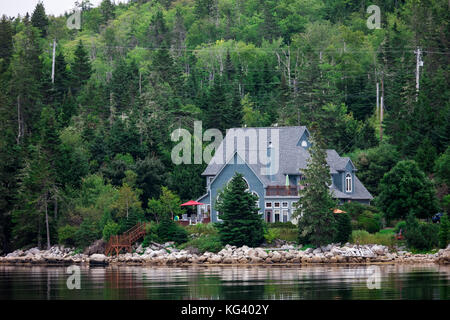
point(167, 254)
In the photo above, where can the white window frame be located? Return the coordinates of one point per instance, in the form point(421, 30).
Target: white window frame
point(285, 212)
point(277, 211)
point(283, 204)
point(348, 182)
point(268, 207)
point(275, 205)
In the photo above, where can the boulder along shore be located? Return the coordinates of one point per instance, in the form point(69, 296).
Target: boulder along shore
point(166, 254)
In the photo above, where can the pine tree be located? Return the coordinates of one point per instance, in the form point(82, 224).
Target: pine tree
point(81, 68)
point(107, 11)
point(6, 49)
point(39, 19)
point(241, 225)
point(344, 228)
point(316, 222)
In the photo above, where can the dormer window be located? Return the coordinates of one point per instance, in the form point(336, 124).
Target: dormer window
point(348, 183)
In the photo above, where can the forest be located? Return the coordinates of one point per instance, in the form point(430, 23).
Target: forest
point(86, 152)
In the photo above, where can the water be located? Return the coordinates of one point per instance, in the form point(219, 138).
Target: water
point(228, 282)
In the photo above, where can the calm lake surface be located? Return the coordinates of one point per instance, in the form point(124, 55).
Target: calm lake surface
point(229, 282)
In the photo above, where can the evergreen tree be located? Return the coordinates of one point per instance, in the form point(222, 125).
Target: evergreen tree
point(107, 11)
point(344, 228)
point(39, 19)
point(316, 222)
point(241, 223)
point(81, 68)
point(6, 49)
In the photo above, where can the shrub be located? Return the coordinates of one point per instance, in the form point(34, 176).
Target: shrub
point(288, 234)
point(355, 209)
point(344, 227)
point(202, 228)
point(363, 237)
point(151, 231)
point(87, 233)
point(206, 242)
point(271, 234)
point(111, 229)
point(400, 225)
point(421, 235)
point(282, 225)
point(369, 221)
point(66, 235)
point(168, 230)
point(444, 229)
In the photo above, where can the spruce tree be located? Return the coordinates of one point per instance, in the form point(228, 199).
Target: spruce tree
point(6, 49)
point(107, 10)
point(81, 68)
point(344, 227)
point(316, 222)
point(39, 19)
point(241, 223)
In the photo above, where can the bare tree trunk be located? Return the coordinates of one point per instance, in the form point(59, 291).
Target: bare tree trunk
point(46, 223)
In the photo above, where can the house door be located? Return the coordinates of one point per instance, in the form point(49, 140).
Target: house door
point(268, 214)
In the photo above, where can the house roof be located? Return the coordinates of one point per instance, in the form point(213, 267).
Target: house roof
point(292, 157)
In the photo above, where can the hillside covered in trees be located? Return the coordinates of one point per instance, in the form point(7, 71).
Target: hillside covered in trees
point(82, 157)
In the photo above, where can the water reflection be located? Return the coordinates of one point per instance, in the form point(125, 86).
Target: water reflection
point(227, 282)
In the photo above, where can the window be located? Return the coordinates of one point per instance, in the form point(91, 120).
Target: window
point(285, 215)
point(348, 183)
point(257, 198)
point(210, 179)
point(268, 204)
point(276, 215)
point(276, 204)
point(285, 204)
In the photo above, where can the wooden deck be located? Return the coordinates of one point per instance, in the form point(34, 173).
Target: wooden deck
point(124, 241)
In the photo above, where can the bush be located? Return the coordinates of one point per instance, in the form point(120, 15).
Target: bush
point(400, 225)
point(206, 242)
point(444, 229)
point(421, 235)
point(344, 227)
point(282, 225)
point(87, 233)
point(363, 237)
point(355, 209)
point(168, 230)
point(202, 228)
point(271, 234)
point(369, 221)
point(66, 235)
point(151, 235)
point(111, 229)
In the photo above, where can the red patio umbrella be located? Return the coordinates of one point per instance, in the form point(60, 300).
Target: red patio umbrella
point(191, 203)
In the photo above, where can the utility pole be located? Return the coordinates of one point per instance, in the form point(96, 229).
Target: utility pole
point(378, 98)
point(53, 61)
point(381, 106)
point(419, 63)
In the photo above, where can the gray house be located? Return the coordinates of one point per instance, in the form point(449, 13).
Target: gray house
point(276, 179)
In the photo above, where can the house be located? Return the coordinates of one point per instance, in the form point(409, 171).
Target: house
point(277, 179)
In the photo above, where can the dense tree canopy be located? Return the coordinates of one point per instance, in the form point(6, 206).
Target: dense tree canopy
point(136, 71)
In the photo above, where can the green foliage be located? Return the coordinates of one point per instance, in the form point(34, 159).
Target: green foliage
point(406, 189)
point(167, 206)
point(442, 167)
point(281, 225)
point(87, 233)
point(151, 234)
point(401, 225)
point(344, 228)
point(242, 225)
point(110, 229)
point(271, 234)
point(67, 235)
point(168, 230)
point(444, 231)
point(206, 242)
point(314, 210)
point(369, 221)
point(363, 237)
point(421, 235)
point(202, 228)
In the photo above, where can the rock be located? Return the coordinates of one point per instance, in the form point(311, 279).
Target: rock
point(276, 257)
point(97, 247)
point(316, 251)
point(98, 259)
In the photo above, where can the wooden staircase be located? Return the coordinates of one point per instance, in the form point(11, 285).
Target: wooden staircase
point(125, 240)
